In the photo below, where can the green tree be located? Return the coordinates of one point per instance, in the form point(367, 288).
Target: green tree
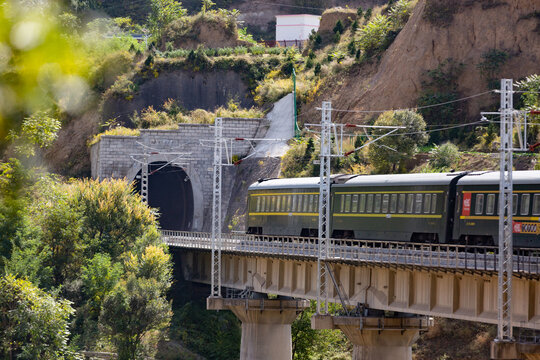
point(33, 325)
point(531, 87)
point(99, 277)
point(388, 154)
point(339, 27)
point(138, 304)
point(113, 219)
point(444, 156)
point(367, 14)
point(162, 14)
point(14, 180)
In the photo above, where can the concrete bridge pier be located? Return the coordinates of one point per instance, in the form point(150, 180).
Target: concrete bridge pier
point(377, 338)
point(266, 325)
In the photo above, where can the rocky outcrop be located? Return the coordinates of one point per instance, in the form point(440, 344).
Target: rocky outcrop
point(192, 90)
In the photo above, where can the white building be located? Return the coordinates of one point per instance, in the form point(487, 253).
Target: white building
point(295, 29)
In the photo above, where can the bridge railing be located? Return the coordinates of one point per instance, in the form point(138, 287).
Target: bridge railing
point(447, 256)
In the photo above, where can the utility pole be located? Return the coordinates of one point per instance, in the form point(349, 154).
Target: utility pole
point(505, 259)
point(504, 332)
point(324, 206)
point(216, 210)
point(328, 129)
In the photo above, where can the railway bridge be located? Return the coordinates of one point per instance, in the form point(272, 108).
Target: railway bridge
point(369, 278)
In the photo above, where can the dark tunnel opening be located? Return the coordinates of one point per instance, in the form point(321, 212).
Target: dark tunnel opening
point(171, 192)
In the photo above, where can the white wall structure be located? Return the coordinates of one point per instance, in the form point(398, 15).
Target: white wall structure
point(294, 28)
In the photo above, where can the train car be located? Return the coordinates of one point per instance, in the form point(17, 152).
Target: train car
point(408, 207)
point(477, 211)
point(283, 207)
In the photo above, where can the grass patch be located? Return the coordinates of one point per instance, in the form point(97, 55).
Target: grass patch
point(115, 131)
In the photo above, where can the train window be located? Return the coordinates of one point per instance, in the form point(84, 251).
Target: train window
point(294, 203)
point(305, 200)
point(385, 200)
point(427, 203)
point(263, 203)
point(514, 204)
point(369, 206)
point(272, 204)
point(257, 203)
point(362, 206)
point(410, 203)
point(347, 203)
point(354, 206)
point(433, 203)
point(536, 204)
point(401, 204)
point(299, 204)
point(418, 204)
point(311, 201)
point(341, 203)
point(289, 203)
point(525, 200)
point(393, 203)
point(479, 204)
point(316, 203)
point(377, 203)
point(490, 204)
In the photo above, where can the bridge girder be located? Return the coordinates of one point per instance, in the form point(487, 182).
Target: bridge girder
point(450, 294)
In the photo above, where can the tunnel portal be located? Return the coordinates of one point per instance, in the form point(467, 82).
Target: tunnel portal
point(170, 191)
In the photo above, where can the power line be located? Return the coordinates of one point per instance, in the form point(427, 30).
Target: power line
point(415, 108)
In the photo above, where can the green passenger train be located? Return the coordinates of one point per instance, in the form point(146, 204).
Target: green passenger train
point(454, 208)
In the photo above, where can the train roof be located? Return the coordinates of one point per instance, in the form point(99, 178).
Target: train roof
point(492, 178)
point(401, 179)
point(310, 182)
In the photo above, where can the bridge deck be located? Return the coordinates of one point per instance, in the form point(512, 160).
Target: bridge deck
point(440, 256)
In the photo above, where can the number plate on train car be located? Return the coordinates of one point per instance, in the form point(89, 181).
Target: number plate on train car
point(526, 228)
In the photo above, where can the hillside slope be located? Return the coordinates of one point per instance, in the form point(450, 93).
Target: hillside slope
point(464, 31)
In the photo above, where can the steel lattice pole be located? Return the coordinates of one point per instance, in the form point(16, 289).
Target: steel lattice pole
point(324, 207)
point(216, 210)
point(505, 215)
point(144, 180)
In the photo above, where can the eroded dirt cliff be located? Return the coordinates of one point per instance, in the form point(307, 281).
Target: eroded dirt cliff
point(464, 32)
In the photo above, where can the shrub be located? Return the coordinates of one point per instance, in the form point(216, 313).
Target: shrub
point(272, 90)
point(400, 12)
point(150, 118)
point(317, 69)
point(441, 12)
point(444, 156)
point(372, 36)
point(309, 63)
point(491, 65)
point(123, 87)
point(360, 12)
point(110, 68)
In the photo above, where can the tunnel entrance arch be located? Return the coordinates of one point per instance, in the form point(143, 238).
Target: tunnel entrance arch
point(170, 190)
